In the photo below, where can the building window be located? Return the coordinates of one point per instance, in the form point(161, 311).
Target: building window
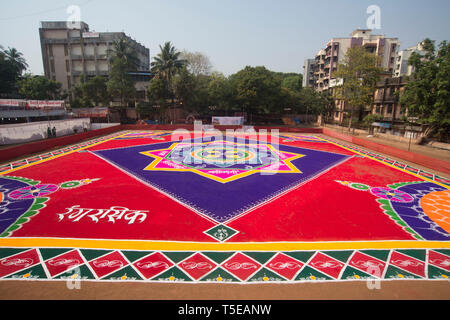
point(50, 50)
point(67, 66)
point(69, 82)
point(52, 66)
point(66, 50)
point(389, 109)
point(378, 108)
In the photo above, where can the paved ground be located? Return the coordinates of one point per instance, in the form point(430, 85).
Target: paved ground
point(421, 149)
point(423, 290)
point(425, 150)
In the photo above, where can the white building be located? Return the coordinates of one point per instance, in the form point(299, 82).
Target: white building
point(308, 73)
point(402, 68)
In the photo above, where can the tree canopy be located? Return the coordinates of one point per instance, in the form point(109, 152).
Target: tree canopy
point(427, 94)
point(197, 63)
point(120, 85)
point(40, 88)
point(123, 50)
point(92, 92)
point(168, 62)
point(12, 66)
point(360, 74)
point(258, 90)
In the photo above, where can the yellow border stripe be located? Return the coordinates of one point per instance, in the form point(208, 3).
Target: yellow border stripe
point(199, 246)
point(60, 155)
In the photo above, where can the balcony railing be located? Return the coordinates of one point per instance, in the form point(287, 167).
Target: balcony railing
point(56, 41)
point(387, 99)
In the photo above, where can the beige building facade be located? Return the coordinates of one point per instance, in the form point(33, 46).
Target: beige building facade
point(328, 58)
point(69, 53)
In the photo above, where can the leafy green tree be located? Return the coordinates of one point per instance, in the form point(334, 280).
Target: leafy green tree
point(91, 93)
point(202, 101)
point(157, 89)
point(120, 86)
point(158, 92)
point(310, 101)
point(97, 90)
point(371, 118)
point(325, 104)
point(185, 87)
point(122, 49)
point(258, 90)
point(145, 110)
point(293, 83)
point(40, 88)
point(8, 76)
point(192, 91)
point(284, 75)
point(221, 92)
point(360, 75)
point(427, 94)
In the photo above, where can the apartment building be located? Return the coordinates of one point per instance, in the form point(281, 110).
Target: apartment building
point(308, 73)
point(386, 99)
point(402, 68)
point(69, 53)
point(328, 58)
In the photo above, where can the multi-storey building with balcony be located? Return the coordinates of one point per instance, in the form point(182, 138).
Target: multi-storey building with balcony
point(402, 68)
point(309, 78)
point(69, 53)
point(386, 99)
point(328, 59)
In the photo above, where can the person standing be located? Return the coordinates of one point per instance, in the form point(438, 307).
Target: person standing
point(54, 132)
point(49, 133)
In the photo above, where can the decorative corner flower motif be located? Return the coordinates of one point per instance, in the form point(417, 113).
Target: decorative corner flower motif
point(32, 192)
point(391, 194)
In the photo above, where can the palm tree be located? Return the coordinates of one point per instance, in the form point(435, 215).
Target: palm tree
point(122, 49)
point(16, 58)
point(167, 63)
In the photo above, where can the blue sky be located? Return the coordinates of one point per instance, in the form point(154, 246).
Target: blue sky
point(232, 33)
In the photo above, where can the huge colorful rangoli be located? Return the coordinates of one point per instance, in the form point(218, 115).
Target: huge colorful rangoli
point(143, 206)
